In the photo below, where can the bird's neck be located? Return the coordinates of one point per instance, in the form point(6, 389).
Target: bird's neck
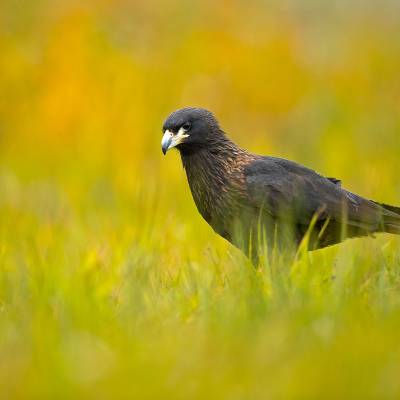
point(212, 162)
point(211, 171)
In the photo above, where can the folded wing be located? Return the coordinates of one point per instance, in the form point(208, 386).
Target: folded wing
point(295, 194)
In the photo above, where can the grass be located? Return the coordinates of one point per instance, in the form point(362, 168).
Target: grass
point(107, 293)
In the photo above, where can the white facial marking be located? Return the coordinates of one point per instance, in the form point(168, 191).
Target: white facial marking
point(181, 134)
point(170, 140)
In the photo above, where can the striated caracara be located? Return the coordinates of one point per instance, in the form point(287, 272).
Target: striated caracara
point(256, 201)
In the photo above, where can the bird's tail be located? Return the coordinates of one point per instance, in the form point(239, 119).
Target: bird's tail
point(387, 207)
point(391, 218)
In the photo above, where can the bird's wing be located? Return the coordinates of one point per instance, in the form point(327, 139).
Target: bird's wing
point(283, 188)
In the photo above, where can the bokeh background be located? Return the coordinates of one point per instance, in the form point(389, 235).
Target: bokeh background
point(105, 260)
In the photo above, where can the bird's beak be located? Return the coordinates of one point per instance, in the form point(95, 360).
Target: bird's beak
point(170, 140)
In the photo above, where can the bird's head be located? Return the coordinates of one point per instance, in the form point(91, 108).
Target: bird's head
point(189, 129)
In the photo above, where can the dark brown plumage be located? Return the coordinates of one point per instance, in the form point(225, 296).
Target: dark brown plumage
point(255, 201)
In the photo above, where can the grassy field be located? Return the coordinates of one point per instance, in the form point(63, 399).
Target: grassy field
point(111, 284)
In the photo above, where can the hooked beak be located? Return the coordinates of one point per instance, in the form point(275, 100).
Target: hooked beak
point(171, 140)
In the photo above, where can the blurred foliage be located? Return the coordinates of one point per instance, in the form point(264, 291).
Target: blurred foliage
point(111, 284)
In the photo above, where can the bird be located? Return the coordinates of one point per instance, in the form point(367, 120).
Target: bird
point(257, 202)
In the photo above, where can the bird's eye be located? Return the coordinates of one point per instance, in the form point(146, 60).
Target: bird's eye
point(186, 126)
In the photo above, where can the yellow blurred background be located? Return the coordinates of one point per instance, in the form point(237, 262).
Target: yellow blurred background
point(90, 84)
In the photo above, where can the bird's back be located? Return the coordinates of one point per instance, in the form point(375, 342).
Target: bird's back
point(292, 192)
